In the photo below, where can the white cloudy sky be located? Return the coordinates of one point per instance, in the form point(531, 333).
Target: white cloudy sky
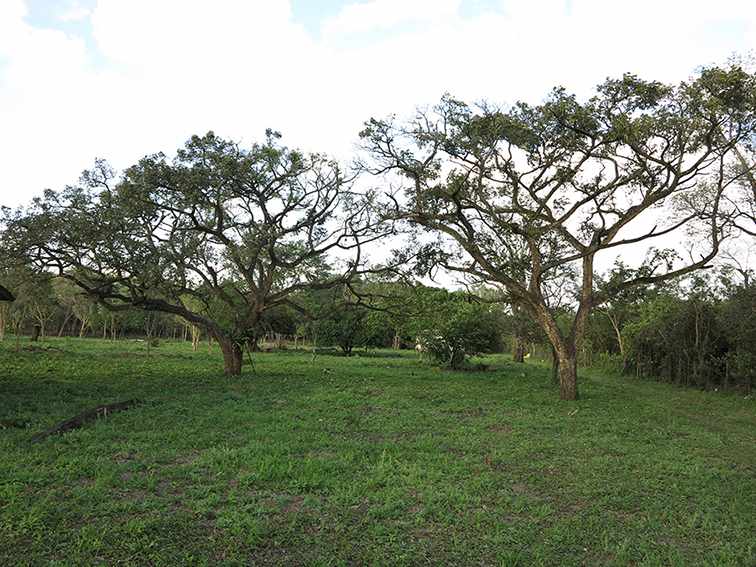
point(81, 79)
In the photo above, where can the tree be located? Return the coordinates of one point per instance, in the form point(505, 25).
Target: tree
point(391, 300)
point(515, 195)
point(744, 166)
point(334, 317)
point(342, 323)
point(620, 306)
point(33, 302)
point(75, 301)
point(738, 319)
point(239, 230)
point(42, 305)
point(450, 326)
point(523, 330)
point(5, 298)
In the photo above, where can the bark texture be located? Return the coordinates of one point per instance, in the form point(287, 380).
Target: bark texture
point(232, 356)
point(518, 350)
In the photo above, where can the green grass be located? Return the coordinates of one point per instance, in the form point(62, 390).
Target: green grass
point(368, 460)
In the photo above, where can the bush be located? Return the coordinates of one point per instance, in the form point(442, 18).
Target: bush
point(454, 327)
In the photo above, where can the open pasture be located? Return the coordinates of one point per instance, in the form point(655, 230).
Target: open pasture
point(375, 459)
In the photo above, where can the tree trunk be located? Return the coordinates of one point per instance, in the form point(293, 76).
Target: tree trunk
point(35, 333)
point(456, 358)
point(564, 350)
point(568, 389)
point(620, 341)
point(518, 350)
point(232, 357)
point(554, 366)
point(63, 326)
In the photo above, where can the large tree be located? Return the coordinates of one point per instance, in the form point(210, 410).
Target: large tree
point(219, 235)
point(516, 195)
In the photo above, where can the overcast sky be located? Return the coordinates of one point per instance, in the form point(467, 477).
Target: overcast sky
point(118, 79)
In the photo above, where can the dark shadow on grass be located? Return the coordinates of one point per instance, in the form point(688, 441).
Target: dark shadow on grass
point(331, 351)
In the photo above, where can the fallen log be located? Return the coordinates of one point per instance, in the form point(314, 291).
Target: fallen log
point(84, 418)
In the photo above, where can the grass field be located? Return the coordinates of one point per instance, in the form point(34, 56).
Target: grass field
point(369, 460)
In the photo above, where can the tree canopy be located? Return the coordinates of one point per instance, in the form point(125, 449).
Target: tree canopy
point(218, 235)
point(524, 201)
point(516, 195)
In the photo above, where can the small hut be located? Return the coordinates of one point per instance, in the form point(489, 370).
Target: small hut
point(5, 295)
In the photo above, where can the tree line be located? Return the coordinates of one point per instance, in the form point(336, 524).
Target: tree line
point(698, 331)
point(520, 201)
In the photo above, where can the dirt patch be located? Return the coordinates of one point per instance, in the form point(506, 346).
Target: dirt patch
point(374, 438)
point(572, 508)
point(421, 534)
point(165, 487)
point(123, 457)
point(179, 506)
point(360, 510)
point(519, 488)
point(494, 464)
point(415, 509)
point(294, 505)
point(136, 494)
point(187, 459)
point(456, 452)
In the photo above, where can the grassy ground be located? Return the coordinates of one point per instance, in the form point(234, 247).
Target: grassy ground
point(368, 460)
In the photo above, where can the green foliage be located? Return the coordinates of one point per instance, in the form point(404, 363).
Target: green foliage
point(452, 326)
point(218, 236)
point(380, 328)
point(737, 316)
point(515, 196)
point(335, 318)
point(699, 339)
point(342, 324)
point(34, 300)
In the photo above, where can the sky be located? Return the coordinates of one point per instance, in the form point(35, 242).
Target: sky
point(119, 79)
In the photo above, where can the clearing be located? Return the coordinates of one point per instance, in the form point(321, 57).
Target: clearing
point(376, 459)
